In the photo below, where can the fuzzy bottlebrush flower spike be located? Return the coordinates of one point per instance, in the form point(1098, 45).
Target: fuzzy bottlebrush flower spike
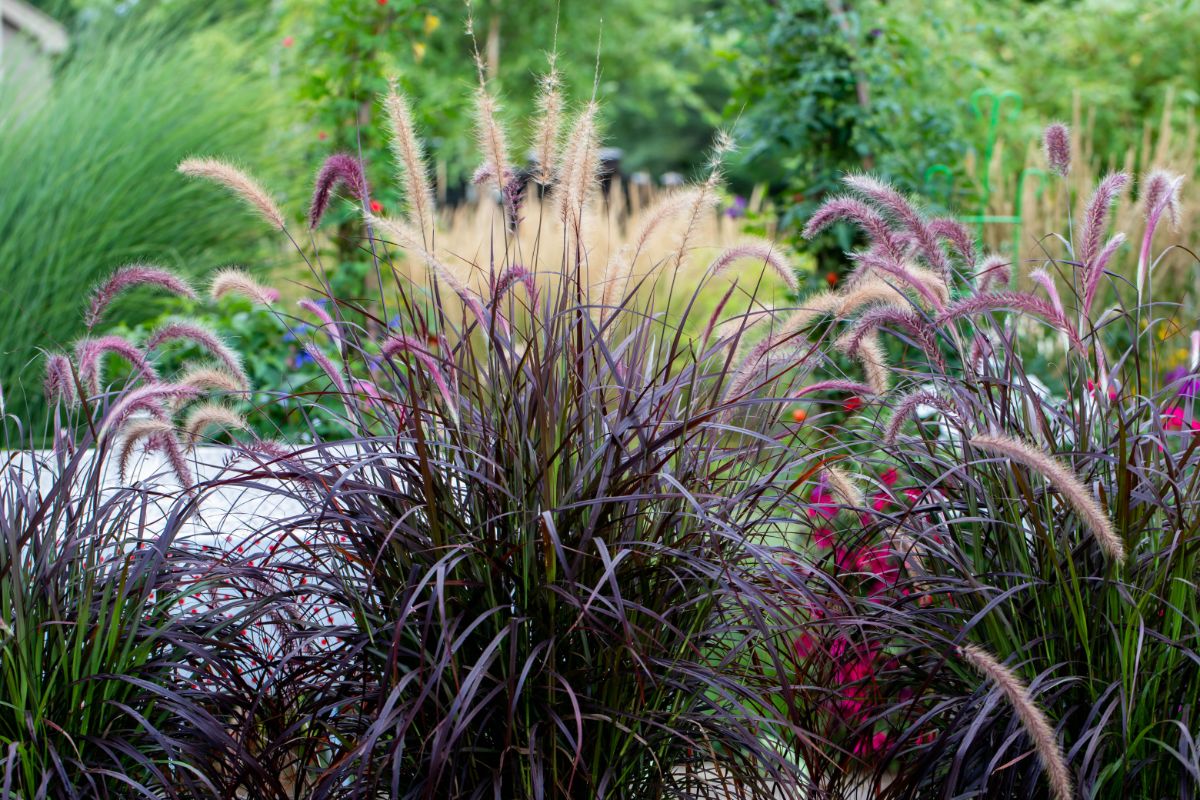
point(580, 168)
point(851, 209)
point(410, 157)
point(199, 335)
point(895, 204)
point(1056, 142)
point(766, 253)
point(207, 416)
point(128, 277)
point(235, 180)
point(340, 169)
point(549, 123)
point(235, 281)
point(1160, 196)
point(89, 354)
point(1063, 479)
point(60, 380)
point(1033, 719)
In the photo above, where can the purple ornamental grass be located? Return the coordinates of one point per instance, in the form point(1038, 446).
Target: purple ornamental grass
point(896, 204)
point(1056, 142)
point(59, 384)
point(89, 355)
point(130, 276)
point(1092, 228)
point(197, 334)
point(852, 209)
point(340, 169)
point(1160, 196)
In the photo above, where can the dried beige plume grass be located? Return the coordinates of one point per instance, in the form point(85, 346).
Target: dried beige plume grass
point(210, 378)
point(1033, 719)
point(1062, 479)
point(492, 139)
point(579, 173)
point(874, 362)
point(409, 153)
point(235, 281)
point(236, 181)
point(844, 489)
point(762, 252)
point(619, 269)
point(707, 195)
point(549, 124)
point(210, 415)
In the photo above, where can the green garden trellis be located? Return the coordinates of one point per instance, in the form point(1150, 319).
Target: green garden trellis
point(939, 178)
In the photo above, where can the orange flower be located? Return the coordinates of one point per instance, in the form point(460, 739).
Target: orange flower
point(799, 415)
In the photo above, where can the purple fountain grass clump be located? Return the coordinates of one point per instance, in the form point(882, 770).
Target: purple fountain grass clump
point(127, 277)
point(340, 169)
point(922, 333)
point(1093, 226)
point(89, 354)
point(1161, 196)
point(959, 237)
point(851, 209)
point(400, 343)
point(896, 204)
point(60, 381)
point(908, 406)
point(1018, 301)
point(149, 399)
point(933, 291)
point(205, 338)
point(1056, 142)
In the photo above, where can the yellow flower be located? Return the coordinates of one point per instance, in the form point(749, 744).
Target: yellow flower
point(432, 23)
point(418, 50)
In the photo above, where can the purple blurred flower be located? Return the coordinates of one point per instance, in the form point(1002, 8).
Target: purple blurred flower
point(737, 208)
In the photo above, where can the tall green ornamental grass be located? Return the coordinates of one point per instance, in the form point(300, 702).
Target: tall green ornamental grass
point(88, 171)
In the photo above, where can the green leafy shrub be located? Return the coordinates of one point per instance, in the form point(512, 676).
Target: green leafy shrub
point(90, 174)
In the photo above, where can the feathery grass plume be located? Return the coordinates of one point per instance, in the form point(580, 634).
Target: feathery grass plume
point(764, 252)
point(330, 369)
point(579, 173)
point(174, 455)
point(403, 234)
point(922, 333)
point(707, 196)
point(209, 415)
point(509, 278)
point(195, 333)
point(132, 434)
point(409, 153)
point(1056, 142)
point(854, 210)
point(340, 169)
point(896, 204)
point(210, 378)
point(549, 123)
point(492, 140)
point(844, 489)
point(908, 406)
point(1063, 479)
point(150, 399)
point(400, 343)
point(60, 381)
point(89, 353)
point(1095, 221)
point(1019, 301)
point(1095, 270)
point(1161, 195)
point(129, 276)
point(236, 281)
point(958, 235)
point(871, 290)
point(327, 322)
point(930, 286)
point(235, 180)
point(995, 271)
point(1046, 281)
point(619, 269)
point(874, 363)
point(1033, 719)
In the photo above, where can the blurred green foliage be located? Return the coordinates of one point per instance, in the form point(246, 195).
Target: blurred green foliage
point(89, 174)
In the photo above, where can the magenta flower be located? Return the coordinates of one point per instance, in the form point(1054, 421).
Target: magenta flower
point(821, 503)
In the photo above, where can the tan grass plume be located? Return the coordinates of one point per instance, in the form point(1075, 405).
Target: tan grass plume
point(236, 181)
point(409, 153)
point(235, 281)
point(1033, 719)
point(207, 416)
point(1063, 479)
